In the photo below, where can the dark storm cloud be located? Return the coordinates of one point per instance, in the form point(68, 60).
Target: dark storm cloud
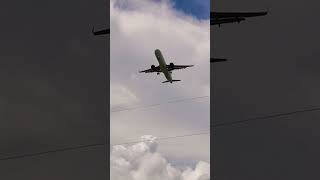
point(53, 78)
point(273, 67)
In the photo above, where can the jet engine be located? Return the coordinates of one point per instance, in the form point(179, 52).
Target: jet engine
point(153, 67)
point(171, 65)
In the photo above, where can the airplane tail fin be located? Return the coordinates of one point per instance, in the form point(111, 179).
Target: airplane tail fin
point(171, 81)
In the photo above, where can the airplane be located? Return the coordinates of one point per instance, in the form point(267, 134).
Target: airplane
point(218, 18)
point(164, 68)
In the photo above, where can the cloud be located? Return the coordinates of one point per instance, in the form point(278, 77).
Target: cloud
point(141, 161)
point(138, 27)
point(121, 95)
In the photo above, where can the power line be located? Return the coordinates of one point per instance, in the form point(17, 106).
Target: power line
point(159, 104)
point(52, 151)
point(163, 138)
point(264, 117)
point(94, 145)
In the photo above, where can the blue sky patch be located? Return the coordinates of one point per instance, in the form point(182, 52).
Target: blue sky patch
point(197, 8)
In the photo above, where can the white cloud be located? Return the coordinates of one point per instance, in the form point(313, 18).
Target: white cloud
point(138, 27)
point(141, 161)
point(120, 95)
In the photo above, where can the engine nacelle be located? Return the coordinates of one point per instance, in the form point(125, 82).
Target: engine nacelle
point(153, 67)
point(171, 65)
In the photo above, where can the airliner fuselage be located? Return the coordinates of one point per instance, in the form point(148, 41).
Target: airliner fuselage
point(163, 65)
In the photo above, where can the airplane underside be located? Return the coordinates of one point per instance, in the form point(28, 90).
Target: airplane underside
point(158, 73)
point(164, 68)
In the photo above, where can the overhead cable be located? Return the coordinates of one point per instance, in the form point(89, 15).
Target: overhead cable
point(159, 104)
point(93, 146)
point(264, 117)
point(163, 138)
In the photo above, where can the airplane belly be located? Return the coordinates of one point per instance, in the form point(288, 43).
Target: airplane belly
point(161, 60)
point(163, 65)
point(168, 76)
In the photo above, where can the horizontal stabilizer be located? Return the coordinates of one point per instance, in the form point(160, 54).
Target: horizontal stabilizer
point(100, 32)
point(170, 82)
point(214, 60)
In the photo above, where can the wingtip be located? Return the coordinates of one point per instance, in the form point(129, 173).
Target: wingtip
point(263, 13)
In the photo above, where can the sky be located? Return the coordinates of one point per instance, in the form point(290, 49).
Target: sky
point(138, 28)
point(196, 8)
point(53, 76)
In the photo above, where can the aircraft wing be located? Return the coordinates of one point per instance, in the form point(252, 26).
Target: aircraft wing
point(151, 70)
point(217, 18)
point(100, 32)
point(174, 67)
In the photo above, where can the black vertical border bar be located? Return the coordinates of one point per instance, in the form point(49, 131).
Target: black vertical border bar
point(107, 91)
point(211, 96)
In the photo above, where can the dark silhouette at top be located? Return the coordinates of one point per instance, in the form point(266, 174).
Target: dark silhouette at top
point(100, 32)
point(218, 18)
point(213, 60)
